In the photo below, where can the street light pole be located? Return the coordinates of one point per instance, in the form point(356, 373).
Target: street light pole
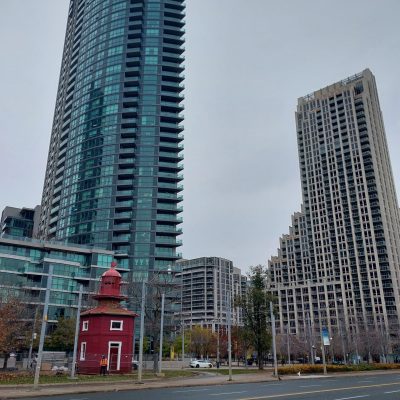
point(311, 338)
point(183, 344)
point(78, 316)
point(323, 353)
point(229, 336)
point(33, 337)
point(161, 333)
point(271, 308)
point(288, 343)
point(340, 301)
point(43, 330)
point(169, 271)
point(142, 311)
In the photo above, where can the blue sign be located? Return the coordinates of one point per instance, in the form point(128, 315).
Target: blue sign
point(325, 337)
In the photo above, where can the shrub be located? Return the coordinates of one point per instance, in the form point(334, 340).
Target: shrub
point(316, 369)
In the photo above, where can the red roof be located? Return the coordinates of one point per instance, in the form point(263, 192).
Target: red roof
point(106, 310)
point(112, 272)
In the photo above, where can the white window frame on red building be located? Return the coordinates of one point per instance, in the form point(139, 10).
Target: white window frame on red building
point(116, 329)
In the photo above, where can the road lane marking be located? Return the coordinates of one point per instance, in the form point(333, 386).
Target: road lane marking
point(319, 391)
point(365, 381)
point(353, 397)
point(306, 386)
point(392, 391)
point(221, 394)
point(190, 390)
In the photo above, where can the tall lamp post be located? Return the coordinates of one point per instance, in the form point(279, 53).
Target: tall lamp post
point(78, 316)
point(141, 335)
point(43, 330)
point(271, 308)
point(162, 325)
point(183, 343)
point(141, 338)
point(229, 335)
point(288, 343)
point(340, 301)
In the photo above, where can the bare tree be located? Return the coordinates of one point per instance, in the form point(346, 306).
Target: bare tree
point(159, 283)
point(13, 327)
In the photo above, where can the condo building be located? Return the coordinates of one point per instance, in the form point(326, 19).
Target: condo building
point(339, 265)
point(114, 164)
point(20, 222)
point(210, 286)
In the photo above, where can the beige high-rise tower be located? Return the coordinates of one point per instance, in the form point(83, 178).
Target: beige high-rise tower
point(339, 266)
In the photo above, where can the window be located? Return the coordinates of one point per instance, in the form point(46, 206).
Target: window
point(83, 351)
point(116, 325)
point(85, 326)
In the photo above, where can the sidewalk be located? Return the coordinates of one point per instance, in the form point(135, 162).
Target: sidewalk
point(205, 379)
point(21, 391)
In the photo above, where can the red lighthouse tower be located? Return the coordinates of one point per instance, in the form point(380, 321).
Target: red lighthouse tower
point(107, 330)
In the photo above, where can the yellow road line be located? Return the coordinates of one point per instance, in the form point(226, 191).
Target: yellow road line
point(319, 391)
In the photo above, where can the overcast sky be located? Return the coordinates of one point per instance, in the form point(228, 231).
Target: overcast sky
point(247, 62)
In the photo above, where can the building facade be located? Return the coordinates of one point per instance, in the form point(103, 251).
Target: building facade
point(20, 222)
point(339, 265)
point(210, 286)
point(114, 165)
point(24, 271)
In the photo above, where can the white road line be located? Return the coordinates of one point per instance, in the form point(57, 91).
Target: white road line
point(306, 386)
point(190, 390)
point(82, 398)
point(366, 381)
point(392, 391)
point(221, 394)
point(353, 397)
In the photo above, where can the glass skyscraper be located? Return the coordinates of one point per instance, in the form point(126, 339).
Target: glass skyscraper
point(114, 165)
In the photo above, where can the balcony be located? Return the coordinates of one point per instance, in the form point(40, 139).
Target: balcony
point(170, 186)
point(169, 207)
point(170, 218)
point(170, 176)
point(122, 228)
point(123, 215)
point(168, 229)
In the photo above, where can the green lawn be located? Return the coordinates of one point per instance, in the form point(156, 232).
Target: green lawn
point(8, 378)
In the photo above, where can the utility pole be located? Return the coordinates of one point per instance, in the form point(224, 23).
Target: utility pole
point(78, 317)
point(271, 309)
point(142, 311)
point(43, 330)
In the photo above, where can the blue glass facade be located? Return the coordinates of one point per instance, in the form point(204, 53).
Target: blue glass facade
point(114, 167)
point(24, 270)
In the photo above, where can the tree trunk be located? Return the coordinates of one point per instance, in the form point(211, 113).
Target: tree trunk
point(155, 362)
point(6, 357)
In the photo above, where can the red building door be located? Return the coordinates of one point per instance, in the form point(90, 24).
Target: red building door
point(114, 356)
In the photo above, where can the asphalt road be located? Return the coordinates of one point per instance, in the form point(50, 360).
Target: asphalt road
point(382, 387)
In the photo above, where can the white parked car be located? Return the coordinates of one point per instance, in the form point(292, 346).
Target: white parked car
point(200, 364)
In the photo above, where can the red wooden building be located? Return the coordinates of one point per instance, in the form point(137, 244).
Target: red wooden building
point(107, 329)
